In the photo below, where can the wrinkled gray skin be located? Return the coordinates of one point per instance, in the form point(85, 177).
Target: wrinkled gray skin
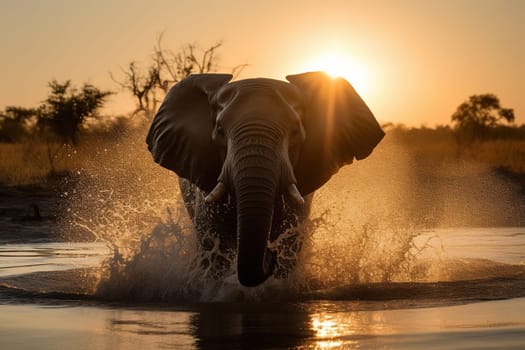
point(250, 153)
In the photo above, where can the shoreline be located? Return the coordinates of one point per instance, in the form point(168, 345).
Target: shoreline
point(34, 212)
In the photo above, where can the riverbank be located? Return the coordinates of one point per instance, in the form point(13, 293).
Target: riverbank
point(29, 213)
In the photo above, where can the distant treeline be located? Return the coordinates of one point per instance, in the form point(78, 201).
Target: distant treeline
point(70, 114)
point(15, 128)
point(449, 133)
point(19, 125)
point(67, 128)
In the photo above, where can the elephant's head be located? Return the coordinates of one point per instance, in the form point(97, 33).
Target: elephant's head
point(260, 139)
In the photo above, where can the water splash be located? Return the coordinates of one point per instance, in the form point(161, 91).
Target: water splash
point(364, 228)
point(167, 264)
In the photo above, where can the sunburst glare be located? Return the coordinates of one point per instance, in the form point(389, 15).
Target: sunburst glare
point(338, 64)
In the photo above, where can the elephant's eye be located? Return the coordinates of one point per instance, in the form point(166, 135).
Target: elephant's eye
point(297, 134)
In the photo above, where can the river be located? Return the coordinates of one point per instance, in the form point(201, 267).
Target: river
point(473, 297)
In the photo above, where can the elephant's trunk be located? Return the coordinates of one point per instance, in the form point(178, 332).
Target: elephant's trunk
point(254, 261)
point(256, 180)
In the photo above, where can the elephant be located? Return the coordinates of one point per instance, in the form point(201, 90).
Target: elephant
point(250, 153)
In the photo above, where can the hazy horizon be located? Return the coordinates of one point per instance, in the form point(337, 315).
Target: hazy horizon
point(413, 62)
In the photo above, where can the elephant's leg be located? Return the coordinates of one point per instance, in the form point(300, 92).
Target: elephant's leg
point(215, 225)
point(288, 234)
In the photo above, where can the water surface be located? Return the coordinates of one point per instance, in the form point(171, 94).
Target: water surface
point(473, 297)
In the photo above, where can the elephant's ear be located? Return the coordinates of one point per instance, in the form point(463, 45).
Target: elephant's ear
point(339, 127)
point(180, 134)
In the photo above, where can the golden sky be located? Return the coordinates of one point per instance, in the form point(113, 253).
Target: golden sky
point(413, 62)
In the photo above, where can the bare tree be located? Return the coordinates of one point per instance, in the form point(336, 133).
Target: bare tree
point(175, 66)
point(142, 85)
point(149, 85)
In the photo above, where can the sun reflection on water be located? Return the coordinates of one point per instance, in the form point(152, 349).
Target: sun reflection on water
point(334, 330)
point(327, 332)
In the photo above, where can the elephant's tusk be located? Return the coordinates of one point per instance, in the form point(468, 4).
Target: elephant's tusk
point(216, 193)
point(293, 192)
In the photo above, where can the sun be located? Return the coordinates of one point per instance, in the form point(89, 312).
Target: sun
point(337, 64)
point(333, 64)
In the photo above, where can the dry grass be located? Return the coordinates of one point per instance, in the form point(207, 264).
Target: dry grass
point(499, 153)
point(492, 153)
point(28, 163)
